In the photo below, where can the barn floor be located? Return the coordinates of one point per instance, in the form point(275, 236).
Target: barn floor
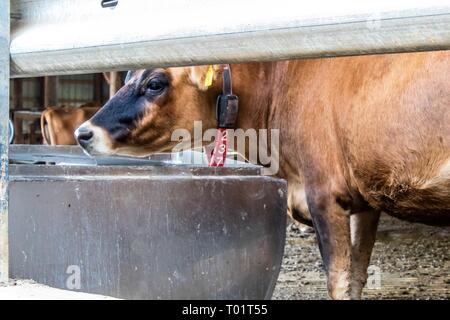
point(414, 261)
point(30, 290)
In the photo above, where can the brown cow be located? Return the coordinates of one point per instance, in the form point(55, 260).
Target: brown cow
point(59, 123)
point(359, 135)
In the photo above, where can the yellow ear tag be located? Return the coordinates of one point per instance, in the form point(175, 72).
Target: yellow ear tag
point(209, 76)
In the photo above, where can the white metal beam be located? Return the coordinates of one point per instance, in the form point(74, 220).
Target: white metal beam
point(4, 119)
point(65, 36)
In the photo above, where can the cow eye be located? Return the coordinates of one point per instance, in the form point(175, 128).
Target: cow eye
point(156, 85)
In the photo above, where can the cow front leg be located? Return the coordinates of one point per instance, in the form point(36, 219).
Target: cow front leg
point(331, 221)
point(363, 227)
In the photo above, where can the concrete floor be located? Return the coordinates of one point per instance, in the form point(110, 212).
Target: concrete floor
point(29, 290)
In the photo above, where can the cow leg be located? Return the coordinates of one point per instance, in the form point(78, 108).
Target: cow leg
point(363, 233)
point(331, 221)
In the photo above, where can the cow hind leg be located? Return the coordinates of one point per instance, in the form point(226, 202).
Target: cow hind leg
point(363, 227)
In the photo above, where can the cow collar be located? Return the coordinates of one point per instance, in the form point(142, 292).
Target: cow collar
point(226, 115)
point(227, 102)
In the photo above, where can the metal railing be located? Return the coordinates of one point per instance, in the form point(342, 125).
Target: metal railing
point(66, 37)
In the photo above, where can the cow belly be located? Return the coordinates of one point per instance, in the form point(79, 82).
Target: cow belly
point(424, 199)
point(439, 218)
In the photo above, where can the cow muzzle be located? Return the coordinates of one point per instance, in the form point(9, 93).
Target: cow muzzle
point(84, 136)
point(93, 139)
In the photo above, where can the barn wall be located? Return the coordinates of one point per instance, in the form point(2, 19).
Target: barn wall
point(28, 97)
point(72, 91)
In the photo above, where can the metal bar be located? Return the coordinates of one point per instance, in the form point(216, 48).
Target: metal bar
point(4, 118)
point(81, 36)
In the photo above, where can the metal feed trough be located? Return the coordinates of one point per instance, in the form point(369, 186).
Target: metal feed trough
point(144, 229)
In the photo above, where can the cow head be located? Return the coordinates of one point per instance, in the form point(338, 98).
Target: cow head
point(140, 118)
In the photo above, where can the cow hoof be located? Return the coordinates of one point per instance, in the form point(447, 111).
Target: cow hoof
point(304, 229)
point(339, 286)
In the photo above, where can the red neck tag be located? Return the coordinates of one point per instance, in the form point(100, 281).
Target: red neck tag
point(219, 154)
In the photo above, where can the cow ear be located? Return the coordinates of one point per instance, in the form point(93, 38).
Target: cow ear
point(205, 77)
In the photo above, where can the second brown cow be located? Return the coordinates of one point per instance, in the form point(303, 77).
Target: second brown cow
point(58, 124)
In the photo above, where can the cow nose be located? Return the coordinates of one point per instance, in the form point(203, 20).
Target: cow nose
point(84, 136)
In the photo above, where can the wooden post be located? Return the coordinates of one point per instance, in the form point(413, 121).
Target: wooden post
point(50, 91)
point(18, 127)
point(41, 83)
point(4, 117)
point(98, 88)
point(17, 94)
point(115, 82)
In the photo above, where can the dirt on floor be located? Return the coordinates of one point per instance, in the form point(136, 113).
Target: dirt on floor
point(410, 261)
